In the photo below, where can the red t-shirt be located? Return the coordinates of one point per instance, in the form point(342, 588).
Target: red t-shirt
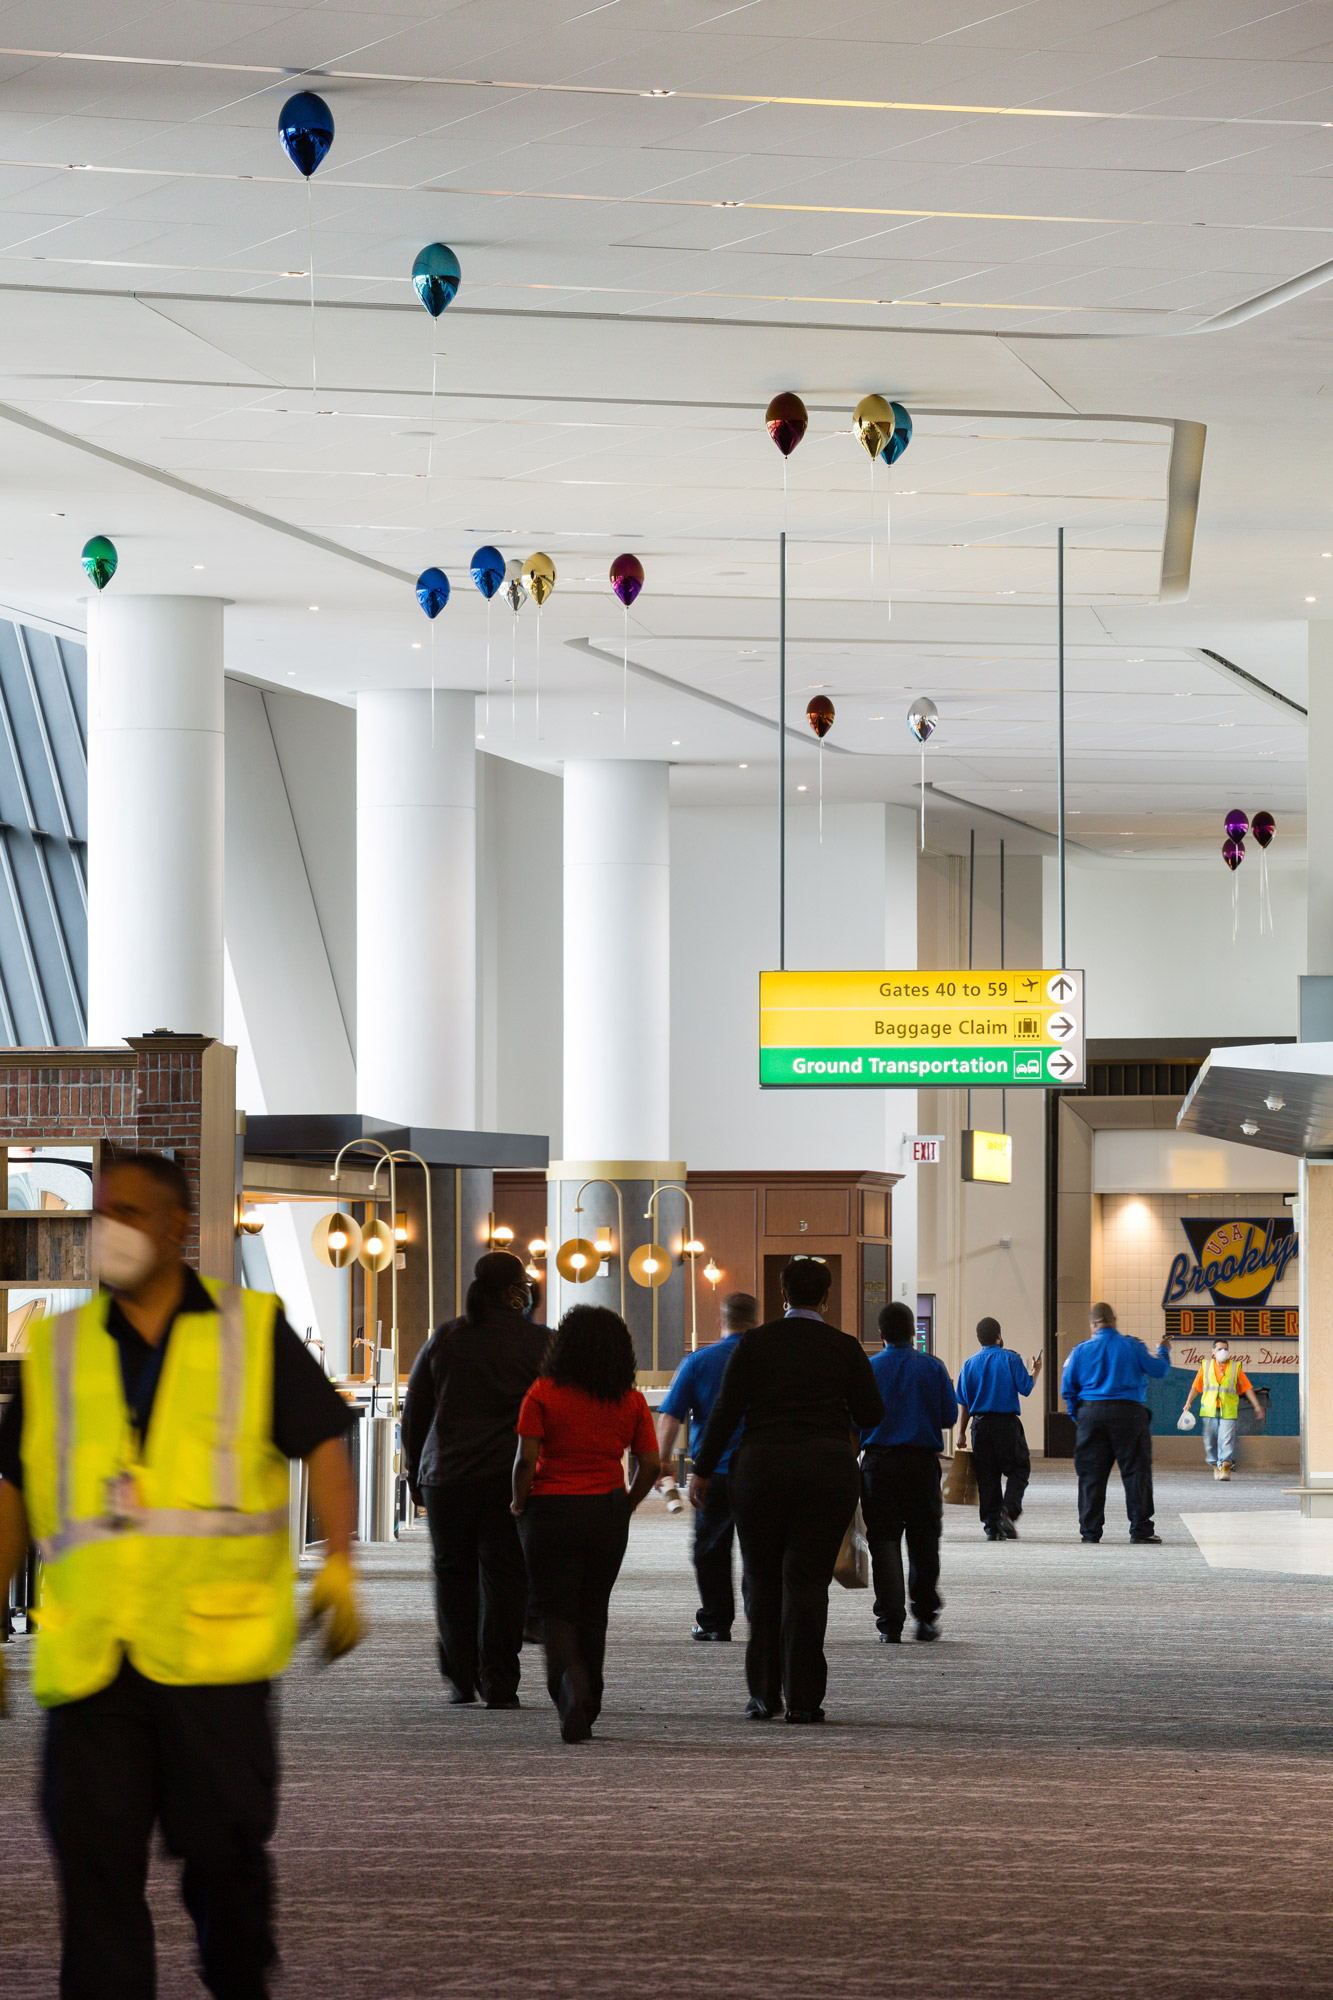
point(583, 1440)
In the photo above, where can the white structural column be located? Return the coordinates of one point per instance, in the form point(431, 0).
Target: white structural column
point(416, 903)
point(156, 742)
point(900, 951)
point(617, 961)
point(1319, 799)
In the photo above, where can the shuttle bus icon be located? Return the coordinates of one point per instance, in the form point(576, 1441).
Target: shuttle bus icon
point(1027, 1065)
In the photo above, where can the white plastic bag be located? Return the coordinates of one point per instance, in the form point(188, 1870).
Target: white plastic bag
point(1186, 1420)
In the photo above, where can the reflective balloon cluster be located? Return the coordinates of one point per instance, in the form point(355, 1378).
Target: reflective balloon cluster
point(1236, 825)
point(883, 427)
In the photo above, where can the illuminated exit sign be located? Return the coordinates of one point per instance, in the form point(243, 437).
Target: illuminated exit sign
point(998, 1030)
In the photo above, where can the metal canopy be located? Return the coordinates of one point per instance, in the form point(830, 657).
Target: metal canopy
point(1234, 1086)
point(320, 1136)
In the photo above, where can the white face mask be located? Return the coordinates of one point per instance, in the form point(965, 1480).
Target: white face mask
point(122, 1256)
point(1221, 1356)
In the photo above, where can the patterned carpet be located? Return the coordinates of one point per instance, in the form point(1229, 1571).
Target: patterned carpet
point(1113, 1778)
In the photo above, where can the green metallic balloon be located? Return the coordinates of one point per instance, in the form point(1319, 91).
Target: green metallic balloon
point(99, 561)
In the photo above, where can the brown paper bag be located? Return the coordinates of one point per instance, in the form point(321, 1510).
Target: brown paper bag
point(960, 1480)
point(852, 1569)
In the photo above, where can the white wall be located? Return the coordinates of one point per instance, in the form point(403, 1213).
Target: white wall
point(316, 745)
point(1155, 940)
point(519, 949)
point(1148, 1162)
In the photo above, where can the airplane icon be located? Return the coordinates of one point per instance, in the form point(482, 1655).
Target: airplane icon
point(1030, 985)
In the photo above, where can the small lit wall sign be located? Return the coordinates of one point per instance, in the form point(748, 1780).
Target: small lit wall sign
point(925, 1148)
point(988, 1156)
point(1001, 1030)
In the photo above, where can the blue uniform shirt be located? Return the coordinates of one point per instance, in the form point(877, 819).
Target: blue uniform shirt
point(991, 1382)
point(1110, 1368)
point(695, 1388)
point(919, 1402)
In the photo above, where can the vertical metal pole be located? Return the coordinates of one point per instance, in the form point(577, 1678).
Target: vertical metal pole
point(1060, 736)
point(1004, 1095)
point(782, 751)
point(971, 913)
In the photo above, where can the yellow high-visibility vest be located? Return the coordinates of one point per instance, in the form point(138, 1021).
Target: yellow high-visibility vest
point(1221, 1394)
point(175, 1552)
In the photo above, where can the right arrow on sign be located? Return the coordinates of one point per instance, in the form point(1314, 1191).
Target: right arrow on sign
point(1061, 1027)
point(1060, 1063)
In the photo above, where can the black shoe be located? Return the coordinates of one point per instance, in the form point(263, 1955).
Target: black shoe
point(757, 1711)
point(699, 1633)
point(926, 1630)
point(1091, 1540)
point(805, 1715)
point(510, 1701)
point(575, 1722)
point(460, 1697)
point(890, 1638)
point(996, 1535)
point(1141, 1541)
point(1007, 1528)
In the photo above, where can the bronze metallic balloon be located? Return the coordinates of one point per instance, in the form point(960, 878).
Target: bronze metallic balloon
point(787, 419)
point(872, 420)
point(819, 714)
point(539, 576)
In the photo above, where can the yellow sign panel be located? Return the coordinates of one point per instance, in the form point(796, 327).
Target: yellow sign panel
point(905, 1030)
point(988, 1156)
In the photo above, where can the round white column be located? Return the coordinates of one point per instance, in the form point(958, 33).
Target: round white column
point(156, 740)
point(416, 908)
point(617, 1013)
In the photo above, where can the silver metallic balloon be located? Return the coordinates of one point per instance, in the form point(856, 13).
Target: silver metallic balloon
point(922, 717)
point(515, 594)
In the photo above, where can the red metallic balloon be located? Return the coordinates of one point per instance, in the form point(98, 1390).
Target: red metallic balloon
point(819, 714)
point(787, 421)
point(627, 579)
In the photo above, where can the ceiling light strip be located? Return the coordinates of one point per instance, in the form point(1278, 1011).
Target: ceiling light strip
point(1252, 681)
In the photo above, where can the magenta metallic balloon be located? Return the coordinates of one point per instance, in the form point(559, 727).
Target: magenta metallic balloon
point(627, 579)
point(1263, 826)
point(1237, 824)
point(1233, 853)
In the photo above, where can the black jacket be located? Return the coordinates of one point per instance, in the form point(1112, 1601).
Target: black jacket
point(791, 1380)
point(463, 1397)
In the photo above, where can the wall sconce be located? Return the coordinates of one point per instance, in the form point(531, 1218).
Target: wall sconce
point(377, 1246)
point(712, 1273)
point(499, 1235)
point(400, 1227)
point(650, 1265)
point(577, 1260)
point(251, 1221)
point(605, 1247)
point(336, 1240)
point(692, 1248)
point(533, 1271)
point(537, 1247)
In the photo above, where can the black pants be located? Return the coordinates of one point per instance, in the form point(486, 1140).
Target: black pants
point(1002, 1463)
point(200, 1762)
point(900, 1495)
point(481, 1585)
point(792, 1501)
point(714, 1533)
point(1108, 1434)
point(574, 1544)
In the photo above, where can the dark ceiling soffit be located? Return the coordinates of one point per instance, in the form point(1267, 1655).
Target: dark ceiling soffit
point(1252, 681)
point(1151, 1049)
point(1221, 1097)
point(319, 1137)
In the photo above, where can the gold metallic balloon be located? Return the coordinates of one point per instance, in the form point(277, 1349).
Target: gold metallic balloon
point(872, 420)
point(539, 576)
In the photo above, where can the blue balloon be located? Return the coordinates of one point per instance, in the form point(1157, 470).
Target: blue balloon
point(488, 571)
point(432, 591)
point(436, 275)
point(305, 127)
point(902, 435)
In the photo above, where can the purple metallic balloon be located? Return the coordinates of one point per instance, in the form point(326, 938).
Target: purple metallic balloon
point(1237, 824)
point(1263, 826)
point(627, 579)
point(1233, 853)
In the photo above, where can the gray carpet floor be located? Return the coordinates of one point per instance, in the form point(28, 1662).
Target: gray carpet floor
point(1113, 1777)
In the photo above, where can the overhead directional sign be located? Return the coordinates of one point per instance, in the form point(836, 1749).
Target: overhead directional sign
point(920, 1030)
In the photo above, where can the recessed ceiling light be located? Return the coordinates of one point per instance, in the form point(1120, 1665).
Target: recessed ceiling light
point(907, 493)
point(416, 645)
point(1006, 593)
point(1326, 553)
point(1018, 788)
point(481, 737)
point(291, 673)
point(657, 93)
point(803, 788)
point(1134, 660)
point(675, 742)
point(877, 718)
point(597, 711)
point(744, 767)
point(1226, 725)
point(57, 517)
point(198, 565)
point(1311, 600)
point(312, 607)
point(728, 204)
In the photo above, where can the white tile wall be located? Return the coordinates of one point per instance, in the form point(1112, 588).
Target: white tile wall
point(1141, 1234)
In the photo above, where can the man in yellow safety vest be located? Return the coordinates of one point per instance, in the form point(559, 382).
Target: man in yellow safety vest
point(146, 1454)
point(1220, 1384)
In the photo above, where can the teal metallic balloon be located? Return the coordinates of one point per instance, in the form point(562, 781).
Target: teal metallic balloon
point(436, 276)
point(99, 561)
point(902, 435)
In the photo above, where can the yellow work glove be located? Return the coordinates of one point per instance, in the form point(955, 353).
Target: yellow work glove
point(334, 1596)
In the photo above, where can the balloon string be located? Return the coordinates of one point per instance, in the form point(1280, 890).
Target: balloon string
point(489, 602)
point(821, 791)
point(310, 260)
point(513, 680)
point(1265, 896)
point(432, 683)
point(434, 368)
point(923, 798)
point(784, 496)
point(624, 687)
point(872, 531)
point(1235, 903)
point(888, 551)
point(539, 674)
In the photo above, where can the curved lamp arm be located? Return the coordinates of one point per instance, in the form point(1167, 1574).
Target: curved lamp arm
point(678, 1187)
point(406, 1153)
point(598, 1180)
point(385, 1154)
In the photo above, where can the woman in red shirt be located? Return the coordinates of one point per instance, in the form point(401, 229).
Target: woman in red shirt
point(579, 1418)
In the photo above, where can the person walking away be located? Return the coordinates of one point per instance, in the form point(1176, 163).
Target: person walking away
point(693, 1392)
point(1220, 1384)
point(801, 1389)
point(1103, 1389)
point(579, 1418)
point(900, 1477)
point(989, 1386)
point(147, 1454)
point(462, 1404)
